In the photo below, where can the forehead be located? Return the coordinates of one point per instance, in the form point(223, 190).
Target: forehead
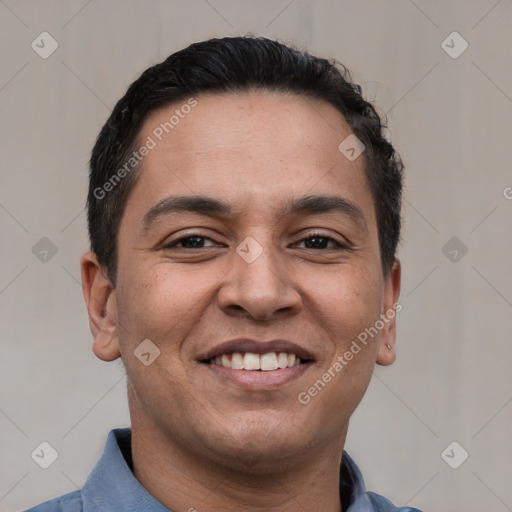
point(251, 148)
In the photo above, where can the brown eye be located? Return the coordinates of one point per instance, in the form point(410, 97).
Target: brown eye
point(317, 242)
point(320, 241)
point(191, 241)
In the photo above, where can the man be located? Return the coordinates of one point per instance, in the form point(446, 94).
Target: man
point(244, 212)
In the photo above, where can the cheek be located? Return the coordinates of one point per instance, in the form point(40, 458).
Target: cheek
point(355, 301)
point(161, 304)
point(348, 303)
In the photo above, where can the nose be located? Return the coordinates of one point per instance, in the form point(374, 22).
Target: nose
point(262, 289)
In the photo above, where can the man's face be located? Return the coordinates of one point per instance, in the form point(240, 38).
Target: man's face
point(273, 267)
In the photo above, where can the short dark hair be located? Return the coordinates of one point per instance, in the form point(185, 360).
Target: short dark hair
point(236, 64)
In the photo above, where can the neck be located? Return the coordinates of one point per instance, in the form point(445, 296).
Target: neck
point(184, 481)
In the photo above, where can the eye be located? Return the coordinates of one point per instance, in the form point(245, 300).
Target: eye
point(321, 241)
point(314, 241)
point(191, 241)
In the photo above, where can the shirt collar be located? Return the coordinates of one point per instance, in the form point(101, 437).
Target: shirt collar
point(111, 485)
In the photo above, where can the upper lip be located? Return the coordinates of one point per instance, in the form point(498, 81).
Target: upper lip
point(256, 347)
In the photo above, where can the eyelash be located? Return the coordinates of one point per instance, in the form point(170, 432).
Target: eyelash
point(339, 245)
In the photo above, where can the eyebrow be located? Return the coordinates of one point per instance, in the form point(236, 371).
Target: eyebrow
point(204, 205)
point(177, 204)
point(314, 205)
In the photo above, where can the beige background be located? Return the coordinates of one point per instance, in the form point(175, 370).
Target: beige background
point(451, 120)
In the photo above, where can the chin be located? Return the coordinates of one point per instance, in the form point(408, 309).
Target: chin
point(261, 448)
point(258, 458)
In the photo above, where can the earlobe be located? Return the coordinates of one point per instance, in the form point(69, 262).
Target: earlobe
point(100, 298)
point(391, 307)
point(386, 354)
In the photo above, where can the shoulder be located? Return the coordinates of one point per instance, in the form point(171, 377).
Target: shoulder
point(71, 502)
point(352, 479)
point(381, 504)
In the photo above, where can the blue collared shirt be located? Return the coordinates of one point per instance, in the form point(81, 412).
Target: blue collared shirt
point(111, 486)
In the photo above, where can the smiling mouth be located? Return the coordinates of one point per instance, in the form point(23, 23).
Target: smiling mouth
point(257, 362)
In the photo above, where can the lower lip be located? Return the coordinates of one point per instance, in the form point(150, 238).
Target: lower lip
point(258, 379)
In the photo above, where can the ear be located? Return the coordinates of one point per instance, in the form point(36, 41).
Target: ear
point(100, 298)
point(391, 307)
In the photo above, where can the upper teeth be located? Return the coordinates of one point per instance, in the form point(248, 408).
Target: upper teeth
point(251, 361)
